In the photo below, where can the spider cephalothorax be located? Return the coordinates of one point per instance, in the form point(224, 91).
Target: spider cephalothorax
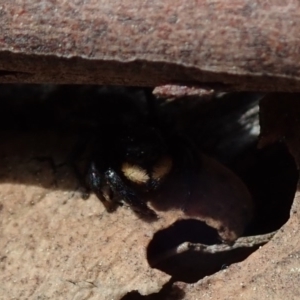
point(128, 156)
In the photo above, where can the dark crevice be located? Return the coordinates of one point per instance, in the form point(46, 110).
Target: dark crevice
point(225, 128)
point(189, 250)
point(270, 175)
point(192, 231)
point(168, 291)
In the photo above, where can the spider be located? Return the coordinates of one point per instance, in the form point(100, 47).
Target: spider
point(131, 151)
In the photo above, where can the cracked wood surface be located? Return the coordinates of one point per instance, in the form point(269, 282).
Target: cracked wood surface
point(231, 45)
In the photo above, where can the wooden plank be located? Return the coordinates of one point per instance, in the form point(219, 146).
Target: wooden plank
point(231, 45)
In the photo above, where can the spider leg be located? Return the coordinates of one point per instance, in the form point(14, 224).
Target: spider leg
point(126, 194)
point(97, 183)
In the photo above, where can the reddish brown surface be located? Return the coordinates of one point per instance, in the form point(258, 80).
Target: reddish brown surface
point(248, 45)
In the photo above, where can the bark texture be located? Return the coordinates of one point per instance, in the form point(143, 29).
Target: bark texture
point(230, 45)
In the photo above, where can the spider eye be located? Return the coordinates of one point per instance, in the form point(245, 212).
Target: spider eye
point(144, 153)
point(135, 151)
point(143, 146)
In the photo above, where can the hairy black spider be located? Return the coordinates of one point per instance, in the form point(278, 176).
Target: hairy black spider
point(131, 158)
point(131, 151)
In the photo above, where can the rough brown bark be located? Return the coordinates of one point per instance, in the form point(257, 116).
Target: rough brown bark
point(244, 45)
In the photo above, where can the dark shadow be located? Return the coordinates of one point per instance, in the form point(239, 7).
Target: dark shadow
point(47, 121)
point(227, 129)
point(181, 231)
point(194, 262)
point(167, 292)
point(271, 176)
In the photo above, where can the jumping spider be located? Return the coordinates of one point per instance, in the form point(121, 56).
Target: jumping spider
point(130, 151)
